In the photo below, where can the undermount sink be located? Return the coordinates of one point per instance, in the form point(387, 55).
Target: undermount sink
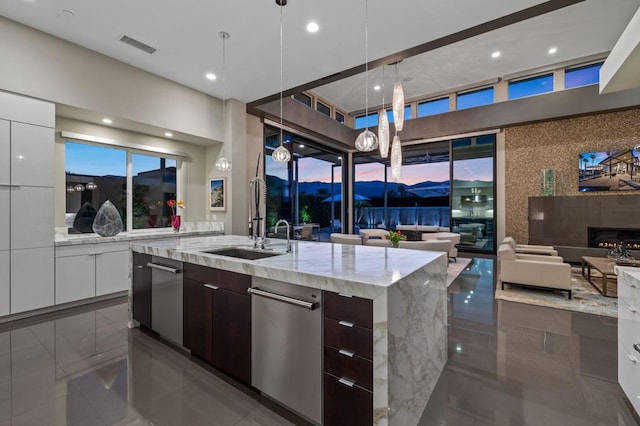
point(241, 253)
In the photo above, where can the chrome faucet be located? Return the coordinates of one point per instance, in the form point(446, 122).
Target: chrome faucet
point(288, 237)
point(255, 200)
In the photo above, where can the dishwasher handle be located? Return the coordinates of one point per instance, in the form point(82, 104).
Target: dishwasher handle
point(281, 298)
point(163, 268)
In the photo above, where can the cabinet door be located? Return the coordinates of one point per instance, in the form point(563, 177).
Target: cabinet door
point(197, 324)
point(232, 334)
point(4, 282)
point(75, 278)
point(32, 275)
point(5, 153)
point(32, 214)
point(141, 289)
point(5, 223)
point(32, 154)
point(112, 272)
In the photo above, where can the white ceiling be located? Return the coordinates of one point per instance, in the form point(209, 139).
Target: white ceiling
point(185, 33)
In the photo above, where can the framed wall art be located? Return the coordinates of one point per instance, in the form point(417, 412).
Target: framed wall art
point(217, 190)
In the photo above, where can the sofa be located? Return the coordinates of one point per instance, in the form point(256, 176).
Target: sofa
point(415, 232)
point(535, 270)
point(374, 237)
point(528, 248)
point(430, 245)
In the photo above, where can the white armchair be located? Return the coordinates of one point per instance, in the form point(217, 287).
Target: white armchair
point(373, 237)
point(533, 270)
point(529, 248)
point(452, 237)
point(346, 239)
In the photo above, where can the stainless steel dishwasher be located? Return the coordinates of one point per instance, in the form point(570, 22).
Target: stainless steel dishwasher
point(166, 298)
point(286, 342)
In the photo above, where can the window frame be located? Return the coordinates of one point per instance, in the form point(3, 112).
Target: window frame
point(580, 67)
point(531, 78)
point(476, 90)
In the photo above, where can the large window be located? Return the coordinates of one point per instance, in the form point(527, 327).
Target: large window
point(421, 197)
point(363, 121)
point(307, 190)
point(475, 98)
point(531, 86)
point(582, 76)
point(95, 174)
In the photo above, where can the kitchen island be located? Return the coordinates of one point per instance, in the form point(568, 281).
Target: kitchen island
point(405, 288)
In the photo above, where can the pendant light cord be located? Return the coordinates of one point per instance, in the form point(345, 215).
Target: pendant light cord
point(395, 129)
point(281, 75)
point(383, 90)
point(366, 61)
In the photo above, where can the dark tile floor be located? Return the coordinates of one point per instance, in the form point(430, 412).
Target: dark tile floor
point(509, 364)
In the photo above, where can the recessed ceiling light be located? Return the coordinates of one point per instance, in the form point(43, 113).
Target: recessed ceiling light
point(107, 120)
point(301, 146)
point(376, 87)
point(210, 76)
point(168, 134)
point(339, 158)
point(312, 27)
point(553, 50)
point(496, 54)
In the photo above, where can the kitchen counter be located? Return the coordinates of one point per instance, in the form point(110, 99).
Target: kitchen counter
point(408, 289)
point(190, 229)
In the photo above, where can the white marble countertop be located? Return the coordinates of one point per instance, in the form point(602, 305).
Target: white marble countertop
point(141, 234)
point(362, 271)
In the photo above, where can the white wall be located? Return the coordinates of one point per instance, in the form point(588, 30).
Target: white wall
point(193, 185)
point(45, 67)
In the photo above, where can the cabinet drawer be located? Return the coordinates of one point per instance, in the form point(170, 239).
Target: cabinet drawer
point(354, 368)
point(353, 309)
point(220, 278)
point(346, 405)
point(87, 249)
point(352, 338)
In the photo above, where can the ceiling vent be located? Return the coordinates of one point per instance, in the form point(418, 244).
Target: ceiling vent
point(137, 44)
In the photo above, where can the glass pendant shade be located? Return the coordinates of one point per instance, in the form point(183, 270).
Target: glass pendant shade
point(281, 155)
point(91, 186)
point(396, 159)
point(223, 164)
point(366, 141)
point(398, 106)
point(383, 133)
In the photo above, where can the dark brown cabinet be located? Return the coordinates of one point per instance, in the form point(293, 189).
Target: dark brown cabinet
point(217, 319)
point(348, 360)
point(141, 289)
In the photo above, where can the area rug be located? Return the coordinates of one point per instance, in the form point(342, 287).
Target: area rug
point(585, 298)
point(456, 268)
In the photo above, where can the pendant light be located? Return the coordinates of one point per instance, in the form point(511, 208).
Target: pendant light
point(398, 103)
point(383, 125)
point(396, 158)
point(367, 140)
point(223, 163)
point(281, 154)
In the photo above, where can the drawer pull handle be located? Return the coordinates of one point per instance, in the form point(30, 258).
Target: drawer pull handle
point(636, 346)
point(140, 267)
point(346, 324)
point(632, 358)
point(346, 353)
point(211, 286)
point(346, 382)
point(345, 295)
point(163, 268)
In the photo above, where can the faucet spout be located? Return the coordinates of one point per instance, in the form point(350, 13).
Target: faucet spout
point(288, 229)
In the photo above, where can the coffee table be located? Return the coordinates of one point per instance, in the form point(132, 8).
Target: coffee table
point(605, 267)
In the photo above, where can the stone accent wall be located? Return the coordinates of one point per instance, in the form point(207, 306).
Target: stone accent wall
point(557, 145)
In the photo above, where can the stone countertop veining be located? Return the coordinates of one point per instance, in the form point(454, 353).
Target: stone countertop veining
point(326, 266)
point(142, 234)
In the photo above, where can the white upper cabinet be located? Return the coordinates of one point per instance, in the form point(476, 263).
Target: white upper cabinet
point(32, 223)
point(5, 153)
point(27, 110)
point(32, 155)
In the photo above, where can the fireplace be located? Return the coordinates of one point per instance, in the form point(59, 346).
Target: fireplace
point(611, 237)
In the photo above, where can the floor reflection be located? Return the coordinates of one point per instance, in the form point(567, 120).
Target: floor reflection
point(516, 364)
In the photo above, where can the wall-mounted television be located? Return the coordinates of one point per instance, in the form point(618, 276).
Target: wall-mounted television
point(609, 170)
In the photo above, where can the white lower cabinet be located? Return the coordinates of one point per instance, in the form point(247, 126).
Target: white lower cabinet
point(75, 278)
point(629, 335)
point(32, 279)
point(4, 282)
point(91, 270)
point(5, 223)
point(112, 272)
